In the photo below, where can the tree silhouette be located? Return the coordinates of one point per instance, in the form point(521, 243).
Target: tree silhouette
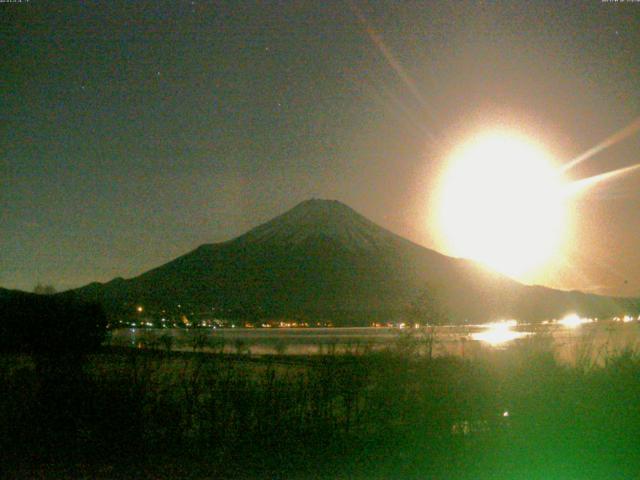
point(429, 310)
point(42, 289)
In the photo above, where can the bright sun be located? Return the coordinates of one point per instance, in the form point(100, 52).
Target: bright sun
point(502, 203)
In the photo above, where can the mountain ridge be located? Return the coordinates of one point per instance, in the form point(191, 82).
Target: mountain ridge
point(321, 258)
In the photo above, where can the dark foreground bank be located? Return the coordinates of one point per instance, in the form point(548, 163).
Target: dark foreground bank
point(155, 414)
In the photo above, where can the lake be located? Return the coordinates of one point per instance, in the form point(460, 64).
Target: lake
point(571, 340)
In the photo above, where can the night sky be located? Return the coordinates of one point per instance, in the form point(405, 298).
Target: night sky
point(132, 132)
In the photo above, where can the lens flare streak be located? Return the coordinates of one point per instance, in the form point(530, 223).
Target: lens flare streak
point(580, 186)
point(620, 135)
point(393, 62)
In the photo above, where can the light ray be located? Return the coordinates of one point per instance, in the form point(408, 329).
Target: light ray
point(620, 135)
point(386, 98)
point(391, 59)
point(386, 53)
point(579, 186)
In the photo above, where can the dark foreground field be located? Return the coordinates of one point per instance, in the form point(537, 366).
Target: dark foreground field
point(388, 415)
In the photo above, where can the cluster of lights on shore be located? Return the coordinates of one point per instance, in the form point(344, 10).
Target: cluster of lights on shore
point(495, 334)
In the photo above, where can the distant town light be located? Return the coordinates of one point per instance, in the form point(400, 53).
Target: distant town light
point(139, 308)
point(573, 321)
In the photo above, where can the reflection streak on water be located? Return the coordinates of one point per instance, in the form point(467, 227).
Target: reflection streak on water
point(498, 334)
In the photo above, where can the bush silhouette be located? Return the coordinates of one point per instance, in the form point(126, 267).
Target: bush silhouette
point(50, 325)
point(57, 331)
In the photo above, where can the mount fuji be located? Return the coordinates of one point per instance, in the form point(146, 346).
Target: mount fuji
point(323, 260)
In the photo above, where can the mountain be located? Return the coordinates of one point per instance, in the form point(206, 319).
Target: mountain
point(6, 294)
point(323, 260)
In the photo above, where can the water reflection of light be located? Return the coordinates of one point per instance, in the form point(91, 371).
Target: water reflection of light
point(499, 333)
point(573, 321)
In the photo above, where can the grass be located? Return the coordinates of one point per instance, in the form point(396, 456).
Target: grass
point(132, 413)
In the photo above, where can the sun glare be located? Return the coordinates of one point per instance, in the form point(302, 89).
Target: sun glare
point(502, 203)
